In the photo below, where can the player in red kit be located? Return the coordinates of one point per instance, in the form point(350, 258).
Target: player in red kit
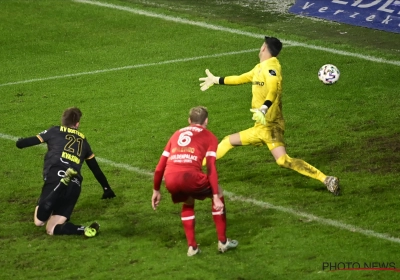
point(181, 166)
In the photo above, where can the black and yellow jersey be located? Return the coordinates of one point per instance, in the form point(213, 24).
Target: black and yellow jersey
point(65, 145)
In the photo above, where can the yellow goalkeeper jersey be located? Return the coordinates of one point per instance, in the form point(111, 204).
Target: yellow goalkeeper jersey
point(266, 78)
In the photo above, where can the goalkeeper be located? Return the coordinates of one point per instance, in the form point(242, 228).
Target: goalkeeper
point(266, 107)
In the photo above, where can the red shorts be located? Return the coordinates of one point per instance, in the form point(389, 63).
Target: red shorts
point(182, 185)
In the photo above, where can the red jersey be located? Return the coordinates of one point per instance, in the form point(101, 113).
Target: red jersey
point(185, 151)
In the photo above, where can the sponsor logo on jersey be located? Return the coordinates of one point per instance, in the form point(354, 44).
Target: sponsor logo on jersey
point(76, 181)
point(183, 156)
point(184, 150)
point(257, 83)
point(65, 162)
point(272, 72)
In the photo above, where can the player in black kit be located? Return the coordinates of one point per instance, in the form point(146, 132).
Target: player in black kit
point(67, 149)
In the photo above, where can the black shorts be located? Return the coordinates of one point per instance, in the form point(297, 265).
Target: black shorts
point(65, 203)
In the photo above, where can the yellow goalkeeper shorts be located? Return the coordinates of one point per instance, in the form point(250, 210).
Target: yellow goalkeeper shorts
point(260, 135)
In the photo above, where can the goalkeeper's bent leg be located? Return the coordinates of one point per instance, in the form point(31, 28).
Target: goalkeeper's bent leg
point(301, 166)
point(223, 147)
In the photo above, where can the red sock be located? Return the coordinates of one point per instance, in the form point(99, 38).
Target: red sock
point(188, 223)
point(220, 222)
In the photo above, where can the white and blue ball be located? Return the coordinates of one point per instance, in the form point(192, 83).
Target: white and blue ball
point(328, 74)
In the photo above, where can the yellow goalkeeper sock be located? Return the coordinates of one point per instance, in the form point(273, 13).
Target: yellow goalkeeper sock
point(301, 166)
point(222, 149)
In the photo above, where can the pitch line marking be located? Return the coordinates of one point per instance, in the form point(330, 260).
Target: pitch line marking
point(201, 24)
point(311, 217)
point(259, 203)
point(234, 31)
point(128, 67)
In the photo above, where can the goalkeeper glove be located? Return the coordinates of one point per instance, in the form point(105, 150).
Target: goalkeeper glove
point(108, 193)
point(209, 81)
point(259, 114)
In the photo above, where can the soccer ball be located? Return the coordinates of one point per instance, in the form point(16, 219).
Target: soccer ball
point(328, 74)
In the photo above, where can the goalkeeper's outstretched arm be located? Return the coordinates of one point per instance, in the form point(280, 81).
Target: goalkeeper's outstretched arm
point(209, 81)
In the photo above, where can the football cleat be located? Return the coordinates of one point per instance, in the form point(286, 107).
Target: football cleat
point(229, 244)
point(69, 174)
point(191, 252)
point(332, 184)
point(92, 230)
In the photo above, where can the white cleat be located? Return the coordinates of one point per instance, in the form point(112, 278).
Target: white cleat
point(229, 244)
point(191, 252)
point(332, 184)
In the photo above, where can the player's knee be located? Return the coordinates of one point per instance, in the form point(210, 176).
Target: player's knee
point(42, 215)
point(38, 223)
point(284, 161)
